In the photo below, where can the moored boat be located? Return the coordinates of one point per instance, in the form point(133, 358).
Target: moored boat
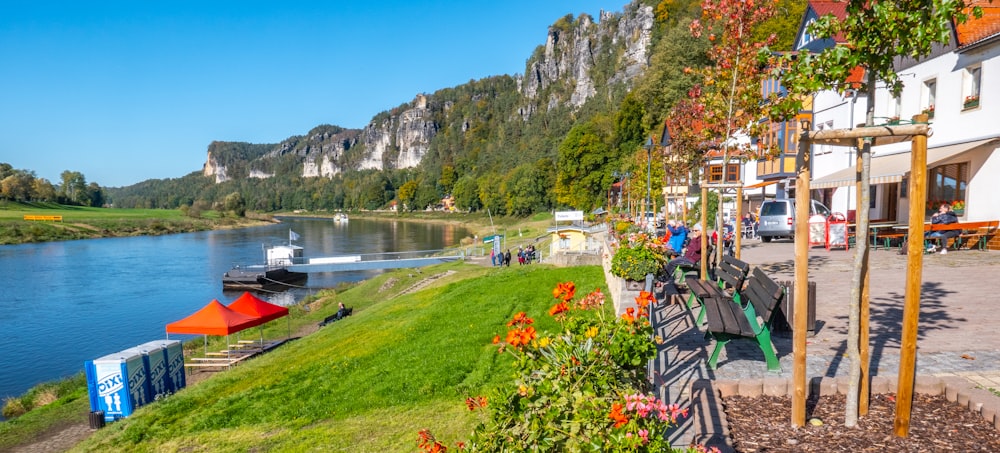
point(273, 274)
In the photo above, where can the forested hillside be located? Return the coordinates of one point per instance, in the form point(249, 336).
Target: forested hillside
point(553, 137)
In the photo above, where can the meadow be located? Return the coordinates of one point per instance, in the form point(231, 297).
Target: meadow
point(403, 362)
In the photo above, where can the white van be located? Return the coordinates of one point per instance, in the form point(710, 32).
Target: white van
point(777, 218)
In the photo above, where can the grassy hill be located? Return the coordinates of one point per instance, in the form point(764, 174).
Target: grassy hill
point(367, 383)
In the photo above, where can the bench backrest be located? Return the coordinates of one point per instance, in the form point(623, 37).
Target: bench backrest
point(733, 273)
point(991, 224)
point(764, 294)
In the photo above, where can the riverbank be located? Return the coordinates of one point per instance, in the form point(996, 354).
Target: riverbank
point(339, 387)
point(78, 222)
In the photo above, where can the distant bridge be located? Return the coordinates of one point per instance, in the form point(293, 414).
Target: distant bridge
point(375, 261)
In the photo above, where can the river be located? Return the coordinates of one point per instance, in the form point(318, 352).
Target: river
point(63, 303)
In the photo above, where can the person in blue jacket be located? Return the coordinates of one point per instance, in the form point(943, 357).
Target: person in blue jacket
point(678, 234)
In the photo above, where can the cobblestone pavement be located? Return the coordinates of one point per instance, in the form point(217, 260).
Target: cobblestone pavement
point(959, 327)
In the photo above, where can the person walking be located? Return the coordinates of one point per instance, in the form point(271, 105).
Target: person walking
point(506, 258)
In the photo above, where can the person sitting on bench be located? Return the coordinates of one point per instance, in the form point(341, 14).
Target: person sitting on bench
point(944, 216)
point(342, 311)
point(692, 254)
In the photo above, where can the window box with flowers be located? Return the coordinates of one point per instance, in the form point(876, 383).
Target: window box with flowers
point(970, 102)
point(637, 256)
point(957, 206)
point(929, 111)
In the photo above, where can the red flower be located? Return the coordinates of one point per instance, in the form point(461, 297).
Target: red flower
point(564, 291)
point(475, 402)
point(616, 414)
point(496, 339)
point(559, 308)
point(521, 319)
point(645, 298)
point(629, 315)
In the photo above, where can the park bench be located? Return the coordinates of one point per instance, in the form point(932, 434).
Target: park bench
point(752, 319)
point(335, 317)
point(730, 275)
point(969, 233)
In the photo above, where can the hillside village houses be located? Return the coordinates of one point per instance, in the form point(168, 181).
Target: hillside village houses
point(958, 86)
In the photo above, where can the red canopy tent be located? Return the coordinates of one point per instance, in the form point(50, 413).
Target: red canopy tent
point(251, 305)
point(214, 319)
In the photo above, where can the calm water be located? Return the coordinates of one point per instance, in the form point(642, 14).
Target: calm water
point(63, 303)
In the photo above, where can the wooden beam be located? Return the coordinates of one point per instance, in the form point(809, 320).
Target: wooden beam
point(914, 267)
point(705, 237)
point(847, 137)
point(800, 309)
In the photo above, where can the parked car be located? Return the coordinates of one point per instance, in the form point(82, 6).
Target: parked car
point(777, 218)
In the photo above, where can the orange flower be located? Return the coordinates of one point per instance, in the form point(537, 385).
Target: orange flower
point(645, 298)
point(564, 291)
point(559, 308)
point(496, 339)
point(475, 402)
point(616, 414)
point(527, 335)
point(514, 337)
point(629, 315)
point(520, 318)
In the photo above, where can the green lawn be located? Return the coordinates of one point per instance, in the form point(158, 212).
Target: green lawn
point(87, 223)
point(366, 383)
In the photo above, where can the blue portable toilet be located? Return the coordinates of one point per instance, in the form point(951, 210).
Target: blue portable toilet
point(117, 383)
point(173, 376)
point(156, 368)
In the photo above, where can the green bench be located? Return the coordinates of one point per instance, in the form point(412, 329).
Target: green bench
point(730, 275)
point(752, 317)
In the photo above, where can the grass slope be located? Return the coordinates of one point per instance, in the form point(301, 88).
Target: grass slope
point(366, 383)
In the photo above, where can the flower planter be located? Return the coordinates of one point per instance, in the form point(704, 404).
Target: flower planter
point(635, 285)
point(971, 104)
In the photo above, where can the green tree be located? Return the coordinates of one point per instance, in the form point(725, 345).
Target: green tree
point(74, 187)
point(524, 189)
point(407, 194)
point(466, 194)
point(234, 204)
point(584, 173)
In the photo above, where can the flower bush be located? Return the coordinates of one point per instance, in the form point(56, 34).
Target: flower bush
point(583, 388)
point(638, 254)
point(956, 205)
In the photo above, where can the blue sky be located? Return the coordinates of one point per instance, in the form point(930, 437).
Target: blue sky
point(125, 91)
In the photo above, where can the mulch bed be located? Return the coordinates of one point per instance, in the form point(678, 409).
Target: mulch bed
point(763, 424)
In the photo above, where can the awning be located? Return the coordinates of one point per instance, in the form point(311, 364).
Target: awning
point(760, 184)
point(892, 168)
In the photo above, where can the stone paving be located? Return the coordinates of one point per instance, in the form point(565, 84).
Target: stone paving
point(959, 330)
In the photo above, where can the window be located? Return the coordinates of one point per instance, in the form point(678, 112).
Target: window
point(927, 97)
point(715, 173)
point(971, 80)
point(947, 184)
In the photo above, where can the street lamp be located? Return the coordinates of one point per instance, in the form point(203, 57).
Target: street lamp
point(649, 167)
point(665, 142)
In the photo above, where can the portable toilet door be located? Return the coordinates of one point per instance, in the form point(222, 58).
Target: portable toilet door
point(173, 350)
point(156, 364)
point(117, 384)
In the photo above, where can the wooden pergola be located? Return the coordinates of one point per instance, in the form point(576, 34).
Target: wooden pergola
point(915, 133)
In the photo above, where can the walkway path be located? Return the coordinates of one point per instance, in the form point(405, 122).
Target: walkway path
point(959, 324)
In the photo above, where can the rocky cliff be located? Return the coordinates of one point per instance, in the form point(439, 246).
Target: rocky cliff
point(562, 72)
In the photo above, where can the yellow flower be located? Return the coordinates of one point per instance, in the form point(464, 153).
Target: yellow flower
point(545, 341)
point(591, 332)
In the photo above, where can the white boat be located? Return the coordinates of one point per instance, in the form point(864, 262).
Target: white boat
point(340, 217)
point(273, 273)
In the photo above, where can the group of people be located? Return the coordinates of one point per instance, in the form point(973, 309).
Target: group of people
point(525, 255)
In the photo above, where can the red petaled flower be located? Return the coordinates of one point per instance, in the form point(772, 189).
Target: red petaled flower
point(475, 402)
point(520, 318)
point(496, 339)
point(592, 300)
point(617, 416)
point(564, 291)
point(629, 315)
point(557, 309)
point(645, 298)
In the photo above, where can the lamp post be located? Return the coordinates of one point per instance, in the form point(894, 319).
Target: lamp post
point(666, 141)
point(649, 167)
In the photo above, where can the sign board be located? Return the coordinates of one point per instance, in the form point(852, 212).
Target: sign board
point(568, 216)
point(491, 238)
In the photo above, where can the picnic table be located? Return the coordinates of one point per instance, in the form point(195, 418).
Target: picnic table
point(978, 232)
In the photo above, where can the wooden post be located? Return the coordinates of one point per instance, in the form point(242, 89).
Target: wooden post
point(914, 268)
point(705, 237)
point(864, 389)
point(800, 317)
point(739, 220)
